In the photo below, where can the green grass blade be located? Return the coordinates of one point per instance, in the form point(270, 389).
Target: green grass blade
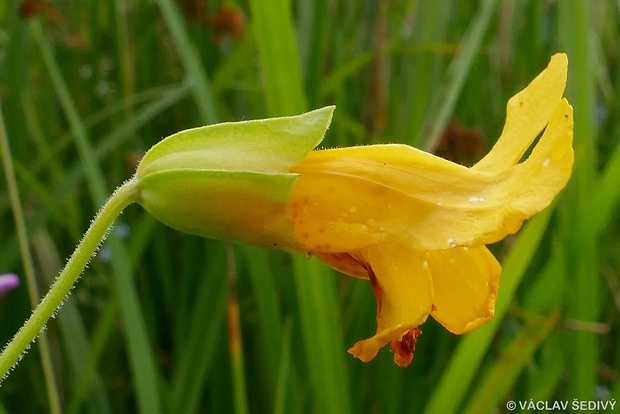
point(275, 38)
point(100, 338)
point(284, 369)
point(197, 352)
point(580, 239)
point(126, 49)
point(323, 338)
point(432, 24)
point(191, 61)
point(547, 377)
point(261, 270)
point(501, 377)
point(606, 195)
point(544, 296)
point(264, 290)
point(458, 70)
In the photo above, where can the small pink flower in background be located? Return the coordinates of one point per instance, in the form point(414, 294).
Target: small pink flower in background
point(8, 282)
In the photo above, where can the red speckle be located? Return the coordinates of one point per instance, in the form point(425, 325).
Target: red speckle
point(405, 348)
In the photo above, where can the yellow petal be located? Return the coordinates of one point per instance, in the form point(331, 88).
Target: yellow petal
point(534, 183)
point(527, 113)
point(403, 288)
point(351, 198)
point(347, 199)
point(326, 212)
point(465, 282)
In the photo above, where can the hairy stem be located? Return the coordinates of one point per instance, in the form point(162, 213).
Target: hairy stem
point(122, 197)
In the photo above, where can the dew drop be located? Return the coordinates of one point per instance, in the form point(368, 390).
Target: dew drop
point(546, 162)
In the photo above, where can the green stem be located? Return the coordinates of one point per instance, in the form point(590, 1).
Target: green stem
point(122, 197)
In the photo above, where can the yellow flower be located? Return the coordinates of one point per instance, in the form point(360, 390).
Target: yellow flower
point(416, 225)
point(412, 223)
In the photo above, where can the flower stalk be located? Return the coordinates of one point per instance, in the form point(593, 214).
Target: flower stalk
point(53, 300)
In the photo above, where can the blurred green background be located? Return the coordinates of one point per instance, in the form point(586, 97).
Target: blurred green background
point(87, 86)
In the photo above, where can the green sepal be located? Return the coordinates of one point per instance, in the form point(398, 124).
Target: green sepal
point(231, 181)
point(264, 145)
point(238, 206)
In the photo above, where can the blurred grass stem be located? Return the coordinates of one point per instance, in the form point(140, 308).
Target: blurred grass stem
point(31, 283)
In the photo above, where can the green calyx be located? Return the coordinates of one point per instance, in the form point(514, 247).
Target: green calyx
point(231, 181)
